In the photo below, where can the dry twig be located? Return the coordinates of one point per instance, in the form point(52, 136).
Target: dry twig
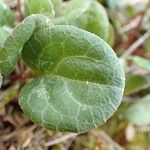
point(61, 139)
point(131, 25)
point(136, 44)
point(110, 141)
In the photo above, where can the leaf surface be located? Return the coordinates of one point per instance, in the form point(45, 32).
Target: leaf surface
point(138, 113)
point(4, 32)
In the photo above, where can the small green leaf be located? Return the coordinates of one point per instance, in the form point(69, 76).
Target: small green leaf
point(139, 112)
point(141, 62)
point(6, 16)
point(88, 15)
point(135, 83)
point(44, 7)
point(4, 32)
point(10, 52)
point(83, 88)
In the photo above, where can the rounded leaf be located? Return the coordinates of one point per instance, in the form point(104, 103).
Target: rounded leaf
point(88, 15)
point(138, 113)
point(84, 81)
point(80, 82)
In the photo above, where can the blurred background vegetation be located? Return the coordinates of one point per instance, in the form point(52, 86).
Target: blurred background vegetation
point(128, 128)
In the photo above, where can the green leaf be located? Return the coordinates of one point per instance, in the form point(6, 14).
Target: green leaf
point(138, 113)
point(135, 83)
point(83, 89)
point(80, 83)
point(6, 16)
point(88, 15)
point(65, 104)
point(141, 62)
point(44, 7)
point(4, 32)
point(10, 52)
